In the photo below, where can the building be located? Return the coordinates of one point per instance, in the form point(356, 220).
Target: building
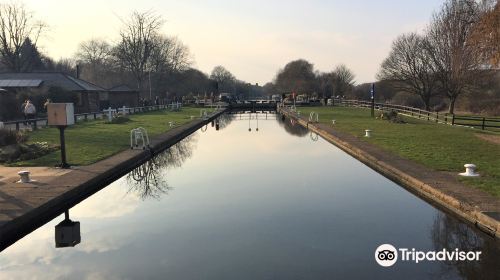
point(122, 95)
point(59, 87)
point(86, 96)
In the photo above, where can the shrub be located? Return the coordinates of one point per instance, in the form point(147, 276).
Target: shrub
point(119, 119)
point(9, 137)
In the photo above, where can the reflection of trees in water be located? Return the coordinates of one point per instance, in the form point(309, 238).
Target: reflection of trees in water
point(448, 232)
point(293, 129)
point(149, 179)
point(224, 120)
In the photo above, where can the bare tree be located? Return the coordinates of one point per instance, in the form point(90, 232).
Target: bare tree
point(223, 77)
point(409, 67)
point(169, 55)
point(94, 52)
point(17, 25)
point(138, 38)
point(486, 33)
point(455, 59)
point(343, 80)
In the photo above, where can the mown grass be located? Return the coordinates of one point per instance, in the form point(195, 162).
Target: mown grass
point(89, 142)
point(440, 147)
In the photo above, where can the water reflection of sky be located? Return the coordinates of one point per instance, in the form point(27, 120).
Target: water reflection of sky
point(248, 205)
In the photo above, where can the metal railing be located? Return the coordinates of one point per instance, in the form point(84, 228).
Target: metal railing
point(42, 122)
point(445, 118)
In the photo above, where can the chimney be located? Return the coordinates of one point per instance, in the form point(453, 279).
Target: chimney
point(78, 71)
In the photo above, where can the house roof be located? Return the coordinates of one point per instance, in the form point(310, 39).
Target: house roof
point(20, 83)
point(121, 88)
point(56, 79)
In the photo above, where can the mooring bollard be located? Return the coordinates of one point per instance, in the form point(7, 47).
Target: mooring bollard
point(333, 122)
point(170, 124)
point(191, 117)
point(25, 176)
point(470, 170)
point(368, 133)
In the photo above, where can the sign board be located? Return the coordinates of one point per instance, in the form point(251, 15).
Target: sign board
point(61, 114)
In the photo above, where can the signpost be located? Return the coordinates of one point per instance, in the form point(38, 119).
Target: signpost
point(61, 115)
point(372, 95)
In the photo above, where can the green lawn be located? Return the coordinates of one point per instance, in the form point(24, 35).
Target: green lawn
point(440, 147)
point(89, 142)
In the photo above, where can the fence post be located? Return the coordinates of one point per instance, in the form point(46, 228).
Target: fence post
point(437, 117)
point(484, 119)
point(76, 118)
point(17, 126)
point(86, 118)
point(428, 115)
point(35, 125)
point(452, 119)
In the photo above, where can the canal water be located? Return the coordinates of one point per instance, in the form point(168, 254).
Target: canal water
point(253, 199)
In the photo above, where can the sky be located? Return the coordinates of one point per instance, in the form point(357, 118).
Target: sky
point(252, 39)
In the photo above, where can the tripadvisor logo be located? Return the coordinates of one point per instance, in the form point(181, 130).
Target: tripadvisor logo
point(387, 255)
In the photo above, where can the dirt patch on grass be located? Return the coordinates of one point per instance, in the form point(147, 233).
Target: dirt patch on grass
point(495, 139)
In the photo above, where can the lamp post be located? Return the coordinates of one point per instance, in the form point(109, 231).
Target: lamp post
point(372, 94)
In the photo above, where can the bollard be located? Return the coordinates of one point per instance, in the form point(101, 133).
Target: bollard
point(470, 170)
point(191, 117)
point(333, 122)
point(368, 133)
point(25, 176)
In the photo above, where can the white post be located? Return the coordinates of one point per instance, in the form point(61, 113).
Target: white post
point(110, 115)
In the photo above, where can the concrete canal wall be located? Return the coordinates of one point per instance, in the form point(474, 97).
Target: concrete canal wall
point(25, 207)
point(439, 188)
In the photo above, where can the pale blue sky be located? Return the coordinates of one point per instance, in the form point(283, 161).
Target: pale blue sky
point(252, 39)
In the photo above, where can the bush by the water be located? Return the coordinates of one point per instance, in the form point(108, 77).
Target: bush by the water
point(14, 148)
point(119, 119)
point(9, 137)
point(18, 152)
point(391, 116)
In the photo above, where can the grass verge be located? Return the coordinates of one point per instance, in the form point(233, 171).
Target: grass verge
point(89, 142)
point(437, 146)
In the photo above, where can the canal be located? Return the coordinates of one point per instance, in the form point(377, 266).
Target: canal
point(253, 199)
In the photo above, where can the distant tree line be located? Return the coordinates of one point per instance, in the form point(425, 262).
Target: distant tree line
point(142, 58)
point(458, 56)
point(299, 77)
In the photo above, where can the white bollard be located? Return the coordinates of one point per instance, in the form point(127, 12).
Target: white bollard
point(368, 133)
point(333, 122)
point(470, 170)
point(25, 176)
point(191, 117)
point(2, 125)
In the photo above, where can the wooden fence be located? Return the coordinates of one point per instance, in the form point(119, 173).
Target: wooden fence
point(445, 118)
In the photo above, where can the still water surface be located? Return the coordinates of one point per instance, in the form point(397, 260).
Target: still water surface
point(277, 203)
